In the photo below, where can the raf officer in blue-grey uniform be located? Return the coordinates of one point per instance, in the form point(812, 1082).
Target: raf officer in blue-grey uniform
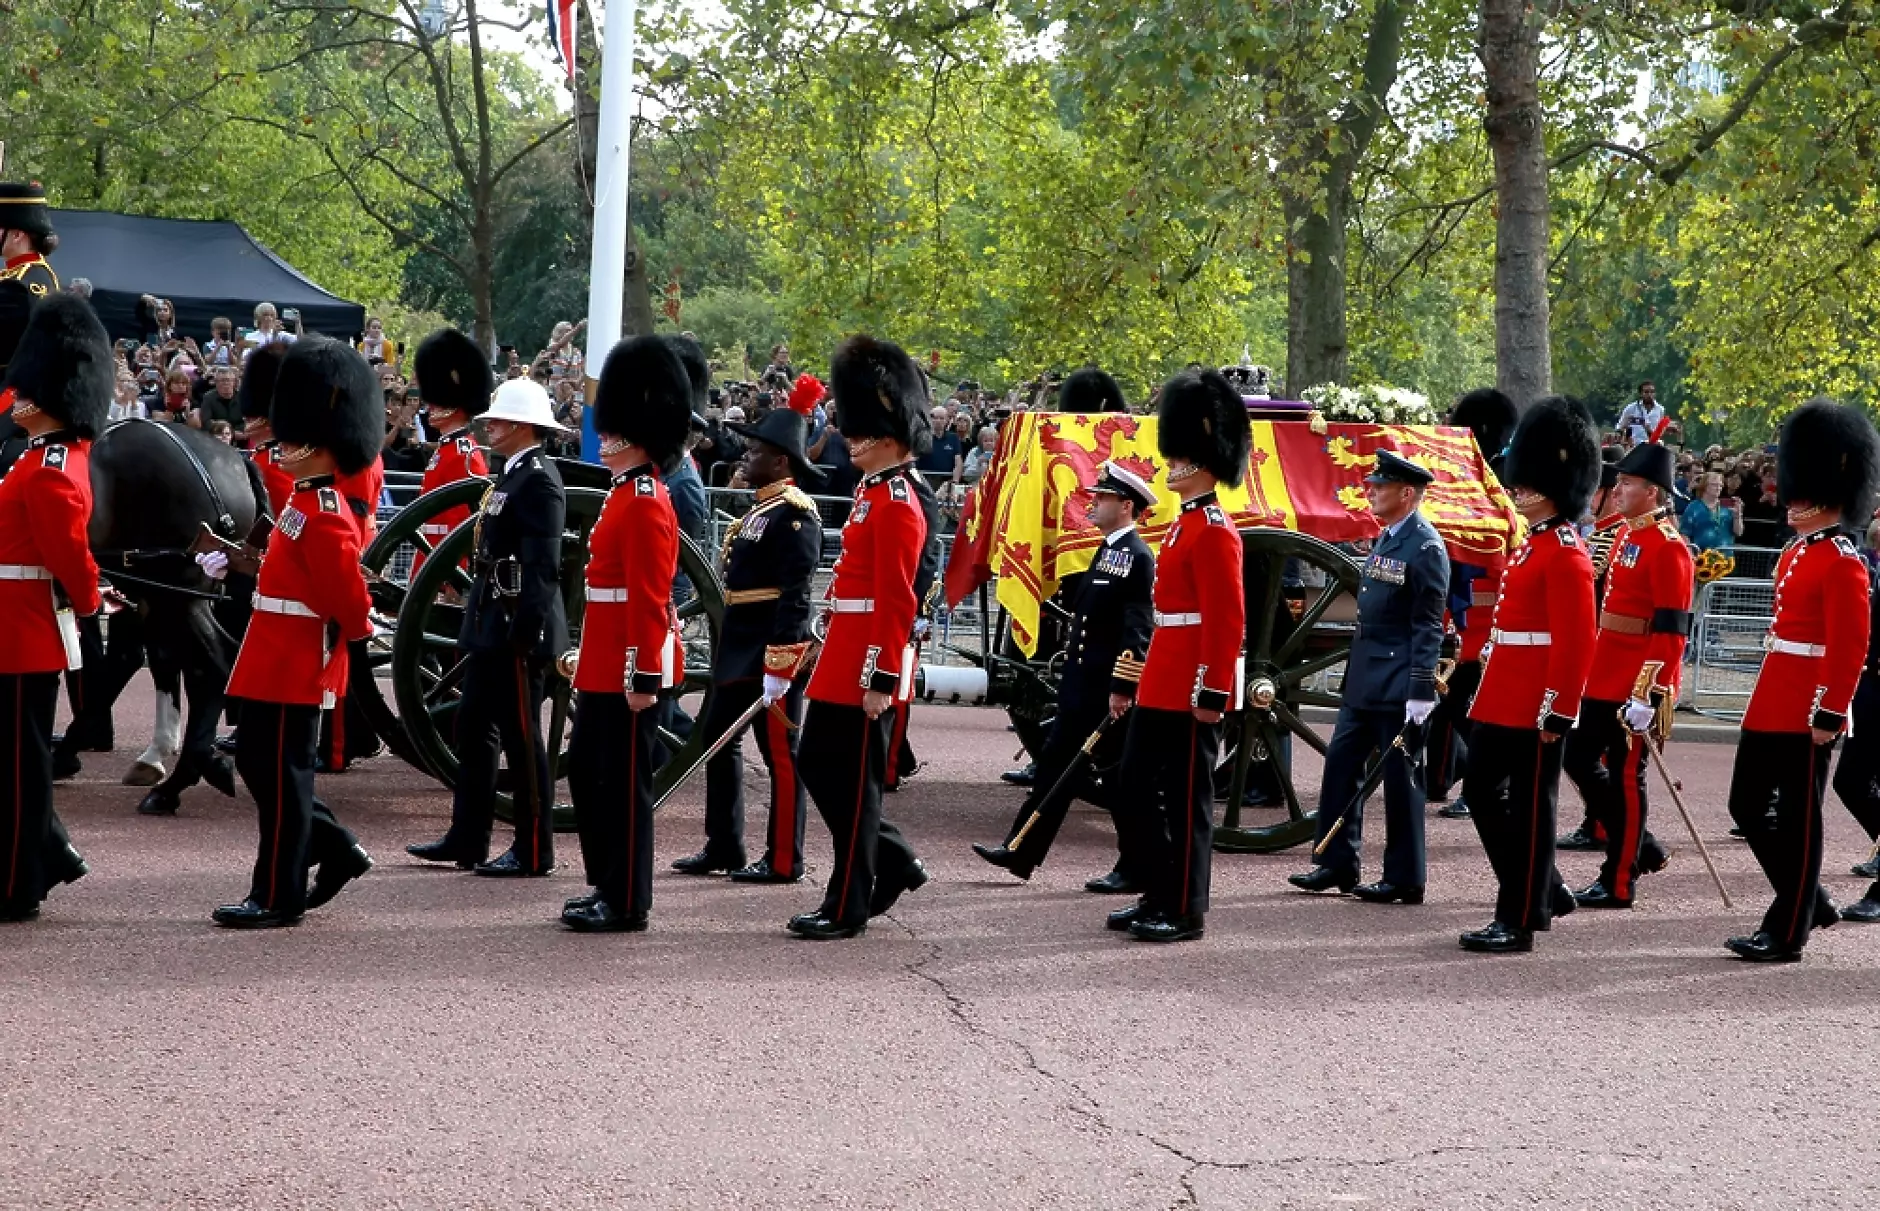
point(1390, 685)
point(1114, 614)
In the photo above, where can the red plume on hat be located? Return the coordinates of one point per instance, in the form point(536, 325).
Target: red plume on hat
point(804, 395)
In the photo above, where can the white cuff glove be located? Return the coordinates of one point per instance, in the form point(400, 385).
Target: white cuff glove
point(775, 687)
point(214, 564)
point(921, 627)
point(1639, 715)
point(1417, 710)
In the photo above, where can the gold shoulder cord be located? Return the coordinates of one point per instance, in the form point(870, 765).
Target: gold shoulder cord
point(476, 532)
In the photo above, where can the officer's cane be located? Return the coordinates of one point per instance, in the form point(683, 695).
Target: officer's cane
point(1067, 779)
point(1671, 784)
point(1444, 669)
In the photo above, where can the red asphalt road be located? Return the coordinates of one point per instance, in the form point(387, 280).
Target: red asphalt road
point(435, 1040)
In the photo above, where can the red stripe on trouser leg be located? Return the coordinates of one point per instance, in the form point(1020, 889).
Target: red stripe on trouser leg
point(1801, 855)
point(1625, 870)
point(338, 756)
point(782, 796)
point(893, 774)
point(855, 822)
point(633, 774)
point(13, 860)
point(528, 756)
point(280, 805)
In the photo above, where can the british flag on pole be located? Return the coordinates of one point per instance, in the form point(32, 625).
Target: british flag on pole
point(561, 31)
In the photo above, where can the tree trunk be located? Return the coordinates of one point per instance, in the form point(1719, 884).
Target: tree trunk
point(1510, 53)
point(1316, 334)
point(482, 281)
point(638, 318)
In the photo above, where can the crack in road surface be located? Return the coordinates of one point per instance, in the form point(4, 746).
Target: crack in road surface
point(1085, 1105)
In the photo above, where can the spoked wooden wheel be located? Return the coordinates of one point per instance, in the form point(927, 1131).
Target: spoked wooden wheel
point(1302, 599)
point(428, 669)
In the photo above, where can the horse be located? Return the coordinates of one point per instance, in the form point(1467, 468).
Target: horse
point(154, 486)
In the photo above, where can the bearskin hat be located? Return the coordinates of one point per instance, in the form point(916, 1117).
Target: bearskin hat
point(1090, 390)
point(1829, 457)
point(879, 392)
point(1555, 451)
point(64, 363)
point(325, 395)
point(1488, 414)
point(1202, 419)
point(698, 371)
point(453, 374)
point(645, 397)
point(258, 378)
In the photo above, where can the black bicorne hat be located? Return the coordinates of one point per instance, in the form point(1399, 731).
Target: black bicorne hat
point(1649, 461)
point(783, 429)
point(326, 395)
point(1829, 457)
point(64, 364)
point(1555, 451)
point(645, 396)
point(1202, 419)
point(453, 374)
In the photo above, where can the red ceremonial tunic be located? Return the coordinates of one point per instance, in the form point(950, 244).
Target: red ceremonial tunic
point(1200, 614)
point(457, 458)
point(1484, 590)
point(309, 576)
point(278, 481)
point(1818, 641)
point(45, 505)
point(1535, 666)
point(364, 488)
point(629, 632)
point(872, 597)
point(1649, 580)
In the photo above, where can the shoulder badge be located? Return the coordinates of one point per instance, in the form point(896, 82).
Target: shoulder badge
point(898, 489)
point(644, 486)
point(1216, 515)
point(1842, 543)
point(465, 446)
point(329, 500)
point(292, 522)
point(55, 457)
point(1569, 537)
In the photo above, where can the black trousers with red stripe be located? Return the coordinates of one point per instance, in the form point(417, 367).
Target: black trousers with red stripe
point(501, 712)
point(1165, 825)
point(724, 777)
point(298, 832)
point(1606, 761)
point(346, 733)
point(1791, 769)
point(1446, 752)
point(1857, 777)
point(611, 765)
point(38, 855)
point(842, 755)
point(1513, 787)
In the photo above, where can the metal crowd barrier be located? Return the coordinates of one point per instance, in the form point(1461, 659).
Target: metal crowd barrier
point(1726, 653)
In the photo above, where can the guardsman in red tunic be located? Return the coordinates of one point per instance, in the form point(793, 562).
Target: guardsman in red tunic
point(1601, 541)
point(1490, 416)
point(1827, 468)
point(866, 666)
point(455, 380)
point(770, 558)
point(257, 395)
point(1534, 672)
point(60, 382)
point(310, 602)
point(1191, 675)
point(630, 651)
point(1644, 617)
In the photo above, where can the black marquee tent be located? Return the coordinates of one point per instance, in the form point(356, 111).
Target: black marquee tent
point(205, 268)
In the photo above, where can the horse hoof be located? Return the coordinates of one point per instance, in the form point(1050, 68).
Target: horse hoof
point(159, 803)
point(144, 774)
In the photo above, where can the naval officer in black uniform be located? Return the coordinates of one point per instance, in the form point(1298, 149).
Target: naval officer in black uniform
point(514, 627)
point(770, 556)
point(1113, 616)
point(1390, 682)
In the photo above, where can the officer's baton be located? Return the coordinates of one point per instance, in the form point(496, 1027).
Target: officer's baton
point(1368, 789)
point(731, 733)
point(1671, 784)
point(1066, 780)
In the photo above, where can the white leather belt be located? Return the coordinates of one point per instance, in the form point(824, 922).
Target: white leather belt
point(283, 605)
point(20, 571)
point(851, 605)
point(434, 527)
point(613, 595)
point(1177, 620)
point(1790, 648)
point(1521, 639)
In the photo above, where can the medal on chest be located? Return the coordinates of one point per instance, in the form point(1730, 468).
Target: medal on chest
point(1629, 555)
point(754, 528)
point(1114, 562)
point(1390, 571)
point(497, 500)
point(861, 513)
point(292, 522)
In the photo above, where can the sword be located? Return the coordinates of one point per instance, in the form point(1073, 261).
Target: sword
point(1671, 784)
point(750, 713)
point(1066, 780)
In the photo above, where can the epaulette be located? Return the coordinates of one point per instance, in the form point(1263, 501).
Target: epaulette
point(55, 458)
point(1846, 546)
point(645, 485)
point(465, 446)
point(329, 500)
point(1569, 537)
point(898, 489)
point(1669, 530)
point(799, 498)
point(1216, 515)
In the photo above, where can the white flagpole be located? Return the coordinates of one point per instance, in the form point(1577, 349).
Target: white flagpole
point(607, 267)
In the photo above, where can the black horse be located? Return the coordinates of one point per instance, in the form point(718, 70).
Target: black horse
point(154, 486)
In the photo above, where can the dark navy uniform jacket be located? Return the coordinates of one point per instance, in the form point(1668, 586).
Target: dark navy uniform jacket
point(1400, 619)
point(1113, 612)
point(515, 604)
point(770, 556)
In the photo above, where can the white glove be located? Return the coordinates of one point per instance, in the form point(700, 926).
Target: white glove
point(775, 687)
point(1639, 715)
point(214, 564)
point(921, 627)
point(1418, 709)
